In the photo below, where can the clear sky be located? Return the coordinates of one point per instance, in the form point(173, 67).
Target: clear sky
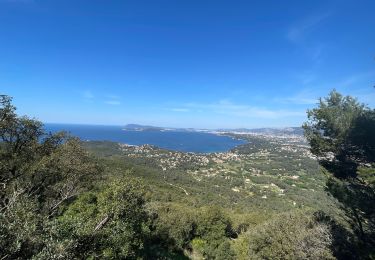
point(184, 63)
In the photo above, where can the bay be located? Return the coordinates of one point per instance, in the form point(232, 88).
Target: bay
point(185, 141)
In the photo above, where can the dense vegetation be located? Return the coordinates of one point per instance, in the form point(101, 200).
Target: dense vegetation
point(61, 198)
point(341, 131)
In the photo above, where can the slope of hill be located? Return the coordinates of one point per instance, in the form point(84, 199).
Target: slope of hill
point(250, 185)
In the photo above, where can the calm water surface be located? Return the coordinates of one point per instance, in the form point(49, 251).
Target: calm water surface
point(173, 140)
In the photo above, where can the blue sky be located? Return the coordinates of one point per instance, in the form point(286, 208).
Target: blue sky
point(186, 63)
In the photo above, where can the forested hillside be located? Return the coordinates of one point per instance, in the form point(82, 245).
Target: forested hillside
point(272, 198)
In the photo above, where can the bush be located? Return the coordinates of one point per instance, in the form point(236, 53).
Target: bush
point(290, 236)
point(109, 224)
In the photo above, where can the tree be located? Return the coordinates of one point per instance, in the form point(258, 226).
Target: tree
point(341, 134)
point(214, 229)
point(39, 172)
point(295, 235)
point(328, 131)
point(111, 224)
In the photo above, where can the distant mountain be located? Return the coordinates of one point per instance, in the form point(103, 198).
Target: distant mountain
point(265, 130)
point(287, 130)
point(136, 127)
point(270, 131)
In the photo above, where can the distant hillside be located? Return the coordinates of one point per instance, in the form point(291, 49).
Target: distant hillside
point(136, 127)
point(279, 131)
point(268, 131)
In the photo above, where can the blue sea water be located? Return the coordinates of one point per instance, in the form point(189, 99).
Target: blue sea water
point(172, 140)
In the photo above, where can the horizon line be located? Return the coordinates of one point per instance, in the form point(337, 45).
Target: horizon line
point(204, 128)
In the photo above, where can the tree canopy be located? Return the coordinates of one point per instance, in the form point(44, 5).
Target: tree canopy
point(341, 133)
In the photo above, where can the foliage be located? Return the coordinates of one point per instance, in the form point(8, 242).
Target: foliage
point(39, 173)
point(341, 132)
point(184, 223)
point(204, 231)
point(367, 175)
point(175, 224)
point(215, 228)
point(106, 225)
point(61, 198)
point(288, 236)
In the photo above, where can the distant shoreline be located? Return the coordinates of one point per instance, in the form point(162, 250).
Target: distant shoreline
point(183, 141)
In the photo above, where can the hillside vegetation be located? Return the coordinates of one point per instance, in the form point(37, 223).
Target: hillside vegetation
point(272, 198)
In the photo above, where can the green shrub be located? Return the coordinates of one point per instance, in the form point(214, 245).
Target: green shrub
point(289, 236)
point(111, 224)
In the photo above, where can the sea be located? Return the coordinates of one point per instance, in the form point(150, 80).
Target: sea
point(185, 141)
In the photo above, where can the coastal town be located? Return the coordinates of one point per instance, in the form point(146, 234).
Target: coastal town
point(266, 166)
